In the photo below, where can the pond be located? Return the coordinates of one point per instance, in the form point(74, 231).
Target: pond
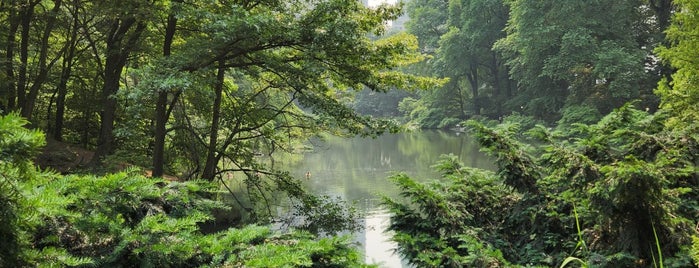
point(356, 170)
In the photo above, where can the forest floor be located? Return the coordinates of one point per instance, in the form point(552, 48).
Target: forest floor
point(63, 157)
point(66, 158)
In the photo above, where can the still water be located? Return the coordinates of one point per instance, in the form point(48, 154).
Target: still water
point(356, 169)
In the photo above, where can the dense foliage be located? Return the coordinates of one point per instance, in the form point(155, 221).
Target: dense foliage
point(209, 91)
point(202, 90)
point(622, 180)
point(128, 220)
point(197, 89)
point(620, 191)
point(537, 58)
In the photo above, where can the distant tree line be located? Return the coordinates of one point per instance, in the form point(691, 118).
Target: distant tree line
point(544, 59)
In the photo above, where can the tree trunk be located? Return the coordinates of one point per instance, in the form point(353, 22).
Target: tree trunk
point(211, 160)
point(462, 101)
point(9, 87)
point(472, 77)
point(62, 87)
point(26, 14)
point(159, 135)
point(44, 66)
point(161, 116)
point(117, 54)
point(497, 85)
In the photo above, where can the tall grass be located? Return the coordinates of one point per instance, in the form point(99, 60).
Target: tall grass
point(657, 246)
point(581, 245)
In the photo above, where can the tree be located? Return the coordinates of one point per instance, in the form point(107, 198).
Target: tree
point(71, 51)
point(466, 52)
point(428, 21)
point(567, 52)
point(478, 79)
point(10, 11)
point(161, 106)
point(35, 58)
point(132, 220)
point(285, 59)
point(123, 33)
point(679, 95)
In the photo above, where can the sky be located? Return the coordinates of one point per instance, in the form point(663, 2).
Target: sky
point(373, 3)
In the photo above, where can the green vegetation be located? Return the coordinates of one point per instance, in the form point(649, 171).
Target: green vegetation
point(125, 219)
point(197, 90)
point(535, 58)
point(622, 181)
point(589, 109)
point(620, 191)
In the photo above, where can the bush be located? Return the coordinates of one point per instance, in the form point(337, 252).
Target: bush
point(628, 177)
point(128, 220)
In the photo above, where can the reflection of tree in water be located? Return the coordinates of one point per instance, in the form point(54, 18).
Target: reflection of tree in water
point(385, 160)
point(357, 168)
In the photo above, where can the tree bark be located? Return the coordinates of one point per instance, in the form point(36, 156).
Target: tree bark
point(211, 161)
point(461, 100)
point(497, 84)
point(161, 115)
point(26, 14)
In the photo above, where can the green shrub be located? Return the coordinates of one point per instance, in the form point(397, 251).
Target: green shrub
point(633, 181)
point(129, 220)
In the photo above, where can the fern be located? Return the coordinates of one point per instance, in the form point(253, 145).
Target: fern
point(694, 252)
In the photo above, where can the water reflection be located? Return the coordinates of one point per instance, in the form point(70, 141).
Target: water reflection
point(377, 246)
point(356, 169)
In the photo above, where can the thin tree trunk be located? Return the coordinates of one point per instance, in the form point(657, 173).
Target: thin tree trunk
point(159, 135)
point(210, 166)
point(497, 85)
point(10, 85)
point(161, 114)
point(472, 77)
point(66, 69)
point(26, 14)
point(462, 102)
point(44, 67)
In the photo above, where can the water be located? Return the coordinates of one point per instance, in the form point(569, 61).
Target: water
point(356, 169)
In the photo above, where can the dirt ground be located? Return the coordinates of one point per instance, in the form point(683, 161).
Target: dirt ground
point(63, 157)
point(66, 158)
